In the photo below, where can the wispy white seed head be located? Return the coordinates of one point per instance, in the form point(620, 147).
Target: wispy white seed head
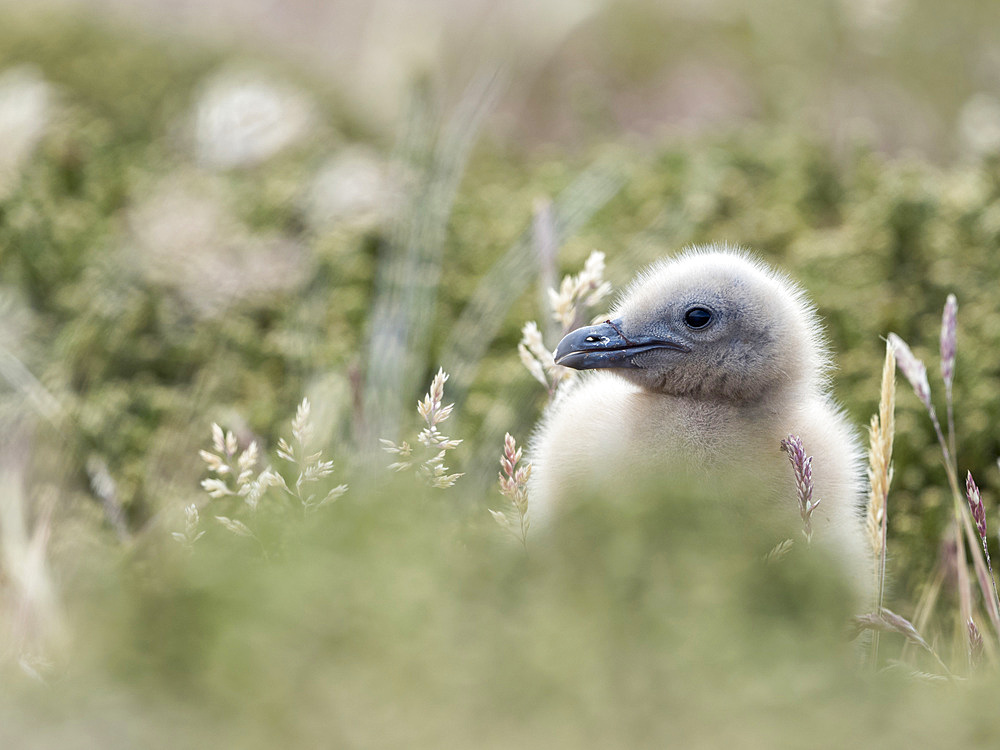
point(215, 463)
point(949, 330)
point(231, 445)
point(301, 425)
point(532, 365)
point(218, 438)
point(433, 412)
point(779, 551)
point(534, 356)
point(215, 488)
point(248, 459)
point(237, 527)
point(539, 360)
point(333, 494)
point(531, 337)
point(431, 408)
point(500, 518)
point(912, 368)
point(286, 451)
point(584, 290)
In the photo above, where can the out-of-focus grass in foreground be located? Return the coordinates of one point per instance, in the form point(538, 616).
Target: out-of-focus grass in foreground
point(648, 621)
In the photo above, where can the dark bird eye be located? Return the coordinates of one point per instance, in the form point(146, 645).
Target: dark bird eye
point(697, 317)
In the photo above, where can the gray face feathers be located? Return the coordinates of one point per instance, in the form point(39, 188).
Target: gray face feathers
point(708, 324)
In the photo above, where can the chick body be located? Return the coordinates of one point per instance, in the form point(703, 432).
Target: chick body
point(678, 402)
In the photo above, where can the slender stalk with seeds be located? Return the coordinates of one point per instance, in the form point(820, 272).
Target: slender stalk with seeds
point(979, 515)
point(886, 619)
point(975, 643)
point(578, 294)
point(948, 347)
point(571, 306)
point(514, 486)
point(538, 360)
point(880, 476)
point(311, 466)
point(916, 373)
point(433, 411)
point(237, 475)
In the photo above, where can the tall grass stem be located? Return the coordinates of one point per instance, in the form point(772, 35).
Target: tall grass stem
point(880, 476)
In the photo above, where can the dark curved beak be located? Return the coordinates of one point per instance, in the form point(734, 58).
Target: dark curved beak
point(605, 346)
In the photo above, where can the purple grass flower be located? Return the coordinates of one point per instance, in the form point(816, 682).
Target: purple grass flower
point(979, 516)
point(802, 467)
point(975, 643)
point(976, 506)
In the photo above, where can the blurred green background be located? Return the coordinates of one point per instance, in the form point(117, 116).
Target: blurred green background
point(210, 211)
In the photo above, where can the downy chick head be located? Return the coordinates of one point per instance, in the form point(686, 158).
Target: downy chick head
point(708, 324)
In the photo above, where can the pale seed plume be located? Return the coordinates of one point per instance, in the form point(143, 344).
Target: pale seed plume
point(880, 436)
point(912, 368)
point(880, 457)
point(571, 305)
point(779, 551)
point(433, 411)
point(578, 293)
point(949, 336)
point(538, 359)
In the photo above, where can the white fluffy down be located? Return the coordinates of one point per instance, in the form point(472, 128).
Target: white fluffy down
point(615, 424)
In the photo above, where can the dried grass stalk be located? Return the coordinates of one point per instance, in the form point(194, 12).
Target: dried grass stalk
point(915, 371)
point(880, 461)
point(886, 620)
point(880, 476)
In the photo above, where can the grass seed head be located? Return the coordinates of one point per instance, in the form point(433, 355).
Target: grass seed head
point(949, 329)
point(912, 368)
point(802, 468)
point(976, 505)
